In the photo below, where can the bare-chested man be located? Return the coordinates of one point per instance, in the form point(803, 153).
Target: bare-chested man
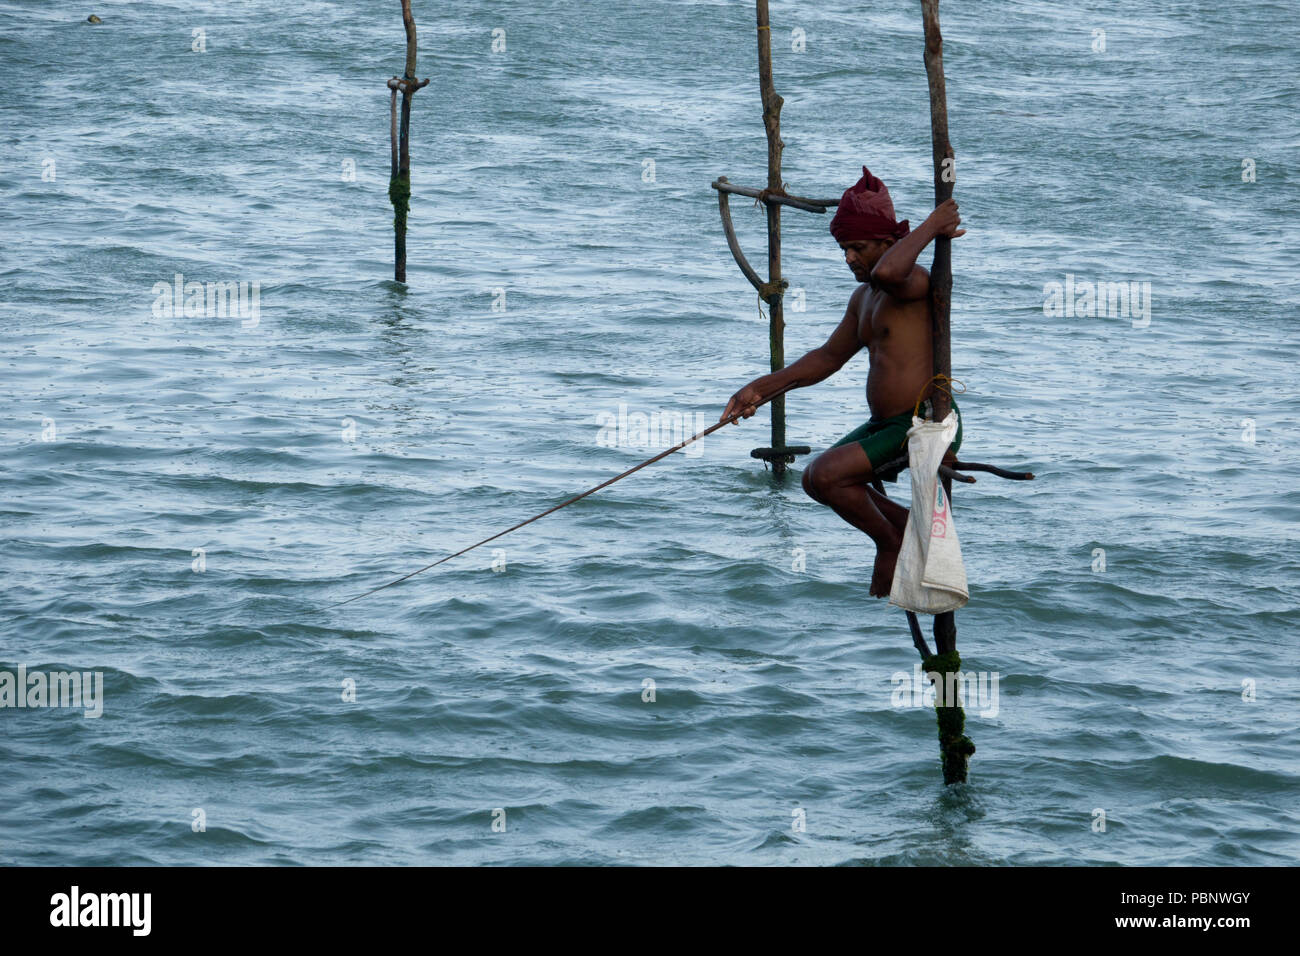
point(889, 315)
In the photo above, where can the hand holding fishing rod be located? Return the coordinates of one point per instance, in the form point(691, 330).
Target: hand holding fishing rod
point(748, 399)
point(745, 403)
point(729, 416)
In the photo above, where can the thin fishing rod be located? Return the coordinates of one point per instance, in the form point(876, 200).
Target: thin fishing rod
point(564, 504)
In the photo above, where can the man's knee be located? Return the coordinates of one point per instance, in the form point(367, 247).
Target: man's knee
point(815, 484)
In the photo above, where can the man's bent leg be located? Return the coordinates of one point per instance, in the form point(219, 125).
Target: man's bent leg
point(838, 478)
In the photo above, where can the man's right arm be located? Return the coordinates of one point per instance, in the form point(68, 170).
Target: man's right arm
point(819, 364)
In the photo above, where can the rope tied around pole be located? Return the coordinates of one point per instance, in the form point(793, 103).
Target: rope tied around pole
point(407, 84)
point(940, 382)
point(767, 292)
point(763, 194)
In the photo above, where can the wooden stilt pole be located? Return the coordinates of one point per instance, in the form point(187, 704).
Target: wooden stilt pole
point(944, 174)
point(954, 746)
point(775, 287)
point(773, 197)
point(399, 182)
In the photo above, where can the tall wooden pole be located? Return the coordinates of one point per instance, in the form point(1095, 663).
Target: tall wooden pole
point(955, 747)
point(774, 288)
point(944, 174)
point(399, 182)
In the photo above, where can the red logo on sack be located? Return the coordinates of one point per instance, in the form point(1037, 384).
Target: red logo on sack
point(939, 521)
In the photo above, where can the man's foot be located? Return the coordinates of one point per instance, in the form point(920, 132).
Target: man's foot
point(882, 575)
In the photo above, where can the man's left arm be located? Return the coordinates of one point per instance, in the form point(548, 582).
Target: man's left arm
point(897, 272)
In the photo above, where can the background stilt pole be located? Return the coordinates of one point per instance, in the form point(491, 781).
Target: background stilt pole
point(399, 181)
point(773, 292)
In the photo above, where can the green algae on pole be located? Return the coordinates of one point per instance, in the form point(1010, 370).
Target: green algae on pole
point(955, 748)
point(399, 180)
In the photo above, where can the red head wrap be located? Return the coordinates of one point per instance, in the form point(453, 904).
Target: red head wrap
point(866, 212)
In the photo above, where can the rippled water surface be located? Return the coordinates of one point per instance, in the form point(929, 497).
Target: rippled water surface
point(1122, 690)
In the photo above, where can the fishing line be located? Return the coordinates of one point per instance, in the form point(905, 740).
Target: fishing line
point(564, 504)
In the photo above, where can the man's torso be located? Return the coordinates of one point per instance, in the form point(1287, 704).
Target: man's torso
point(898, 339)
